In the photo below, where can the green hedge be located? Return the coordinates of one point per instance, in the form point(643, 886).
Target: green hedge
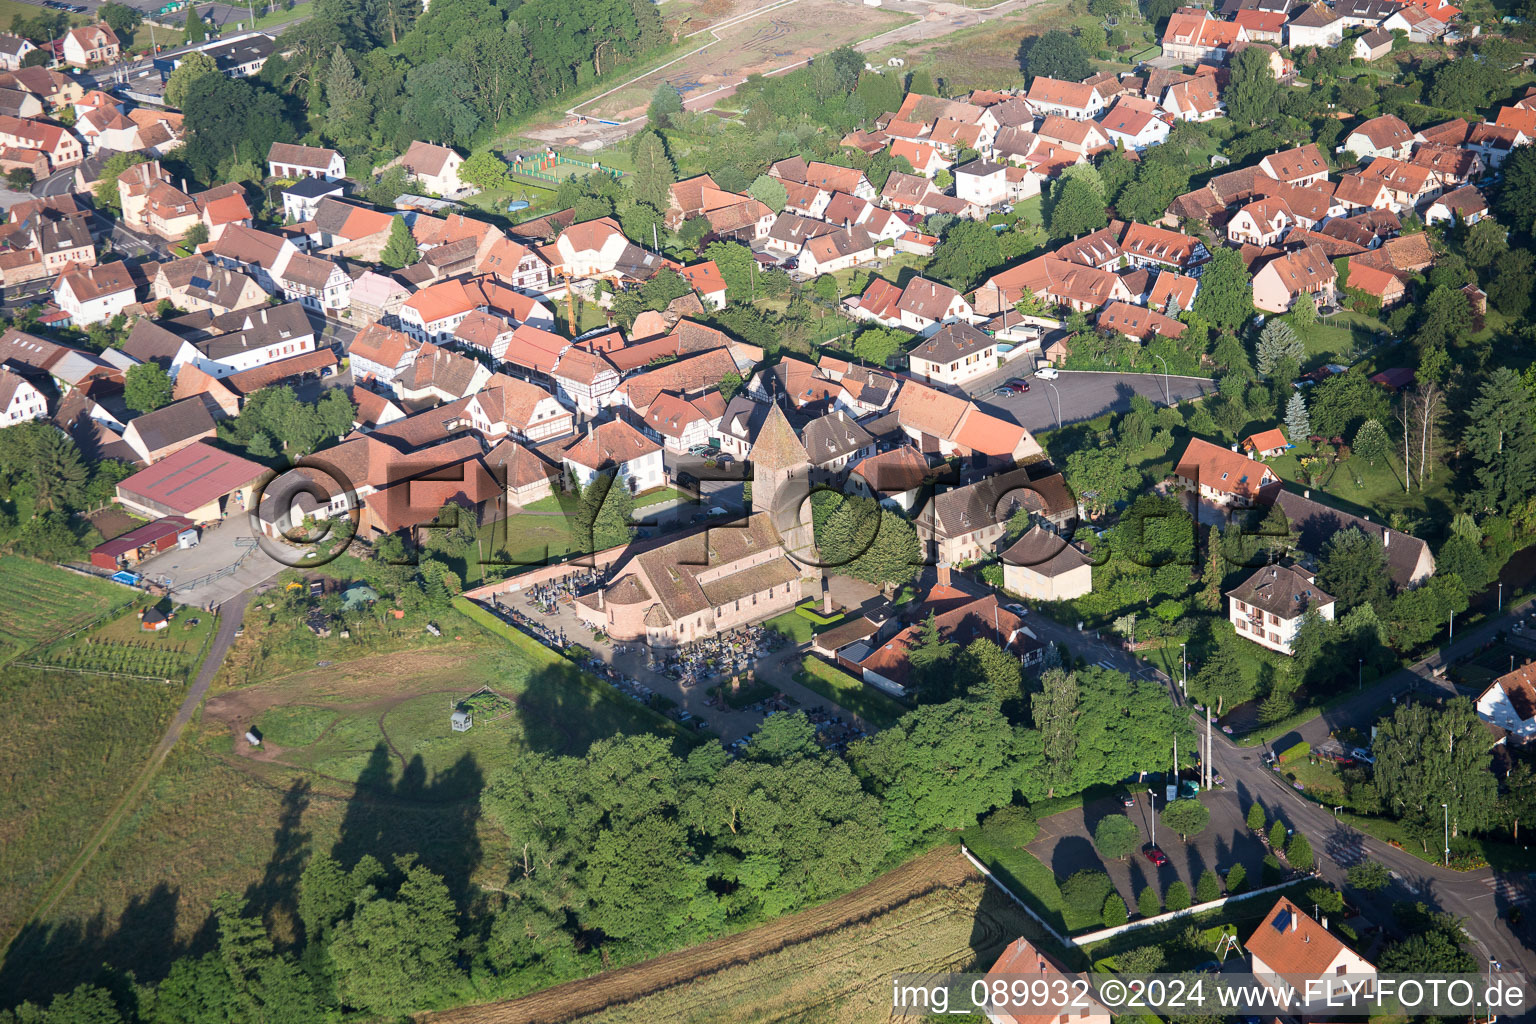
point(1297, 752)
point(544, 656)
point(808, 611)
point(879, 710)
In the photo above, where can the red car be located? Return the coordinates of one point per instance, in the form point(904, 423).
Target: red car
point(1156, 856)
point(1021, 384)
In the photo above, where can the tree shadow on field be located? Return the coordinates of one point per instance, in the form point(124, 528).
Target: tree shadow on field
point(50, 958)
point(436, 818)
point(276, 895)
point(564, 714)
point(998, 922)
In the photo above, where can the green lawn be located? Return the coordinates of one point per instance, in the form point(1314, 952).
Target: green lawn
point(1342, 338)
point(1026, 877)
point(847, 691)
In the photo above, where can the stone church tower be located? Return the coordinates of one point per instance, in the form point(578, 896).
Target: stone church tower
point(781, 484)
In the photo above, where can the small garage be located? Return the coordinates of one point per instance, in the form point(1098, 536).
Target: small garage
point(144, 542)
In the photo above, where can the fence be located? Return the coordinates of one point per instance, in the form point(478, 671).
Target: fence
point(542, 167)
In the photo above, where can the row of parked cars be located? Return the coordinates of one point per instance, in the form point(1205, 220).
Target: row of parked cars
point(54, 5)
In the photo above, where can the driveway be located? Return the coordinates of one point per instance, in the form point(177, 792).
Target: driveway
point(1083, 394)
point(222, 546)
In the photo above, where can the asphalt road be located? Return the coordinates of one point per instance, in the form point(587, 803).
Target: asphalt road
point(1482, 898)
point(1082, 395)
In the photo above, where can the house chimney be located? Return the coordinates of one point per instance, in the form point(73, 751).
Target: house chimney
point(1306, 494)
point(1295, 915)
point(1386, 538)
point(943, 572)
point(183, 184)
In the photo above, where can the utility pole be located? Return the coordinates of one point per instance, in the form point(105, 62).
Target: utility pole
point(1447, 809)
point(1210, 751)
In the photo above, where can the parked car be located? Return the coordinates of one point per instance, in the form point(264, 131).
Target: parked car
point(1129, 800)
point(1156, 856)
point(1017, 609)
point(1047, 373)
point(1361, 754)
point(1020, 383)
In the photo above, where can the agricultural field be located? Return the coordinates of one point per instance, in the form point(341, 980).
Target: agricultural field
point(39, 601)
point(830, 963)
point(124, 646)
point(73, 745)
point(357, 756)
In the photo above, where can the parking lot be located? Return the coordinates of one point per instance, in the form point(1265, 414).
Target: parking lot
point(1065, 843)
point(1082, 394)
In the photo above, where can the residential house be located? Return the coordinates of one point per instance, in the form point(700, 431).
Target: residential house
point(1387, 135)
point(1074, 100)
point(166, 431)
point(1455, 165)
point(1262, 222)
point(1355, 192)
point(13, 50)
point(1193, 35)
point(1262, 26)
point(20, 400)
point(256, 337)
point(833, 442)
point(1509, 702)
point(508, 407)
point(1420, 24)
point(1465, 204)
point(148, 342)
point(612, 446)
point(287, 160)
point(1194, 99)
point(435, 167)
point(1409, 561)
point(965, 523)
point(377, 297)
point(1270, 606)
point(925, 159)
point(321, 285)
point(515, 265)
point(1382, 285)
point(194, 284)
point(93, 295)
point(836, 250)
point(960, 617)
point(1365, 13)
point(438, 375)
point(301, 200)
point(706, 282)
point(895, 477)
point(53, 141)
point(1137, 322)
point(343, 228)
point(1134, 123)
point(1221, 478)
point(90, 45)
point(681, 424)
point(1287, 278)
point(1301, 166)
point(925, 304)
point(1316, 25)
point(1288, 947)
point(1023, 959)
point(1172, 293)
point(1146, 246)
point(1373, 45)
point(957, 352)
point(1267, 444)
point(382, 353)
point(1043, 566)
point(1407, 185)
point(263, 255)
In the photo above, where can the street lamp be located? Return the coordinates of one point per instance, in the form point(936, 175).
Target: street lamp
point(1167, 393)
point(1452, 635)
point(1184, 668)
point(1447, 809)
point(1058, 402)
point(1360, 675)
point(1501, 595)
point(1152, 806)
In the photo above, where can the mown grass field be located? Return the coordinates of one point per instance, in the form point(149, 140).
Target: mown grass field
point(39, 601)
point(358, 758)
point(72, 746)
